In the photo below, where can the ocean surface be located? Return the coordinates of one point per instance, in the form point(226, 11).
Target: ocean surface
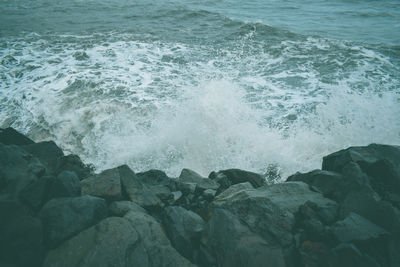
point(265, 85)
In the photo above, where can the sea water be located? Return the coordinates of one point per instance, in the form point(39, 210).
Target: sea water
point(260, 85)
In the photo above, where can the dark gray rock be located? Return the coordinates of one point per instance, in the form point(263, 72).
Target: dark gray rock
point(21, 236)
point(184, 229)
point(107, 185)
point(156, 244)
point(120, 208)
point(230, 177)
point(9, 136)
point(64, 217)
point(232, 190)
point(73, 163)
point(136, 190)
point(189, 176)
point(234, 245)
point(348, 255)
point(209, 194)
point(154, 177)
point(70, 182)
point(48, 153)
point(112, 242)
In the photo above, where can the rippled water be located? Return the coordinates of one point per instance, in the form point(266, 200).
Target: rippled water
point(202, 84)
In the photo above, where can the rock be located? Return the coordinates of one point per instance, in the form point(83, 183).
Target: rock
point(189, 176)
point(18, 169)
point(356, 228)
point(184, 229)
point(9, 136)
point(314, 254)
point(35, 194)
point(48, 153)
point(73, 163)
point(70, 182)
point(136, 190)
point(291, 195)
point(186, 188)
point(120, 208)
point(21, 236)
point(176, 195)
point(64, 217)
point(381, 213)
point(361, 155)
point(233, 244)
point(156, 244)
point(112, 242)
point(161, 191)
point(209, 194)
point(154, 177)
point(235, 176)
point(347, 255)
point(107, 185)
point(232, 190)
point(261, 215)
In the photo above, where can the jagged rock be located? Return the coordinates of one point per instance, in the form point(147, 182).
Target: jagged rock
point(314, 254)
point(112, 242)
point(356, 228)
point(64, 217)
point(21, 236)
point(9, 136)
point(261, 215)
point(48, 153)
point(161, 191)
point(347, 255)
point(234, 245)
point(157, 246)
point(176, 195)
point(107, 185)
point(189, 176)
point(136, 190)
point(186, 188)
point(232, 190)
point(230, 177)
point(209, 194)
point(18, 169)
point(184, 229)
point(154, 177)
point(73, 163)
point(70, 182)
point(291, 195)
point(120, 208)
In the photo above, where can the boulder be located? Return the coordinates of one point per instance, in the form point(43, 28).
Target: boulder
point(136, 190)
point(234, 245)
point(348, 255)
point(209, 194)
point(232, 190)
point(154, 177)
point(230, 177)
point(156, 244)
point(112, 242)
point(65, 217)
point(9, 136)
point(73, 163)
point(70, 182)
point(48, 153)
point(189, 176)
point(21, 236)
point(107, 185)
point(184, 229)
point(120, 208)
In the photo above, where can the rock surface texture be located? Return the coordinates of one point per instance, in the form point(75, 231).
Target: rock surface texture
point(56, 212)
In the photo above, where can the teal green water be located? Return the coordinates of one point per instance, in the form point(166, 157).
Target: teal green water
point(202, 84)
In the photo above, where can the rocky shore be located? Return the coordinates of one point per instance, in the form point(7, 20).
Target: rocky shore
point(55, 211)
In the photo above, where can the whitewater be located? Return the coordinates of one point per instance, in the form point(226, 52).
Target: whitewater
point(266, 86)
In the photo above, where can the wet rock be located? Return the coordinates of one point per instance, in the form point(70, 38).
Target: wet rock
point(347, 255)
point(9, 136)
point(314, 254)
point(184, 229)
point(233, 244)
point(176, 195)
point(120, 208)
point(107, 185)
point(136, 190)
point(189, 176)
point(154, 177)
point(232, 190)
point(64, 217)
point(156, 244)
point(209, 194)
point(21, 236)
point(48, 153)
point(73, 163)
point(70, 182)
point(230, 177)
point(112, 242)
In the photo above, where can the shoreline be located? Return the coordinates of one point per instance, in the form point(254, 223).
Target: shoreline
point(58, 212)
